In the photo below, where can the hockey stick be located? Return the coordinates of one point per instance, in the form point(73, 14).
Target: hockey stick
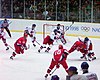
point(50, 73)
point(37, 42)
point(67, 27)
point(10, 22)
point(11, 47)
point(53, 71)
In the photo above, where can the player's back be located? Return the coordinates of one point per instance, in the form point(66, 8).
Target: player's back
point(78, 77)
point(91, 76)
point(21, 40)
point(58, 55)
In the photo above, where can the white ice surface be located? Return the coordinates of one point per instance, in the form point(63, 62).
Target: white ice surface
point(33, 65)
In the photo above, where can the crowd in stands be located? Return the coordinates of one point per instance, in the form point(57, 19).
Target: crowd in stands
point(36, 9)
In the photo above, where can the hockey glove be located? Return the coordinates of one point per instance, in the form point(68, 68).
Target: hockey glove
point(58, 65)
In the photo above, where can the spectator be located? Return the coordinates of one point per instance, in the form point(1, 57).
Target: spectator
point(89, 75)
point(55, 77)
point(73, 74)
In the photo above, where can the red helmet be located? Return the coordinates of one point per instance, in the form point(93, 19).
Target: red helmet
point(60, 46)
point(25, 35)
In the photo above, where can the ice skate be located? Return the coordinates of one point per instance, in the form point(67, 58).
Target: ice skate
point(83, 57)
point(34, 45)
point(93, 58)
point(46, 75)
point(11, 57)
point(7, 48)
point(46, 51)
point(39, 50)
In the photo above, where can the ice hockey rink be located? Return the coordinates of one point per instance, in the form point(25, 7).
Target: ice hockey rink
point(33, 65)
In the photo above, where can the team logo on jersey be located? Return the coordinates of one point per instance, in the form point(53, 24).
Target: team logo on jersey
point(84, 28)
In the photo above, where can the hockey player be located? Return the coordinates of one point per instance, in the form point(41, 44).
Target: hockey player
point(83, 48)
point(61, 33)
point(48, 41)
point(3, 37)
point(89, 47)
point(79, 46)
point(59, 58)
point(32, 33)
point(6, 25)
point(89, 75)
point(20, 45)
point(73, 74)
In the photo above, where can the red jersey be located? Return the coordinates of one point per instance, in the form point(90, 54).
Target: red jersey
point(60, 54)
point(79, 45)
point(21, 41)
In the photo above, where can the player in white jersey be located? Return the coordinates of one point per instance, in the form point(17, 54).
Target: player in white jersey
point(32, 33)
point(5, 24)
point(73, 74)
point(60, 34)
point(89, 75)
point(3, 37)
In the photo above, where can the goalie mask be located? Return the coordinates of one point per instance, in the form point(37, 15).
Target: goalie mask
point(58, 26)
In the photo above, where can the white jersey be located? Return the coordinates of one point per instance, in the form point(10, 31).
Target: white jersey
point(31, 32)
point(88, 44)
point(5, 24)
point(2, 34)
point(78, 77)
point(91, 76)
point(52, 35)
point(60, 31)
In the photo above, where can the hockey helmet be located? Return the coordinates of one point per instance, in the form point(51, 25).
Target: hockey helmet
point(84, 65)
point(60, 46)
point(86, 39)
point(33, 25)
point(5, 20)
point(54, 77)
point(58, 26)
point(25, 35)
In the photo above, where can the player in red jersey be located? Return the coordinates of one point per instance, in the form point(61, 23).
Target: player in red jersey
point(84, 48)
point(48, 41)
point(20, 45)
point(3, 37)
point(59, 58)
